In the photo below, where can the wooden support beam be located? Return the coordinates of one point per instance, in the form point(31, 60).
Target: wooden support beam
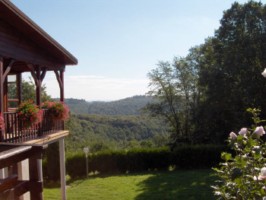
point(38, 75)
point(36, 176)
point(62, 168)
point(7, 69)
point(60, 79)
point(19, 87)
point(38, 86)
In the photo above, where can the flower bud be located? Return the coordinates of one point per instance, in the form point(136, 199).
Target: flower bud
point(243, 131)
point(232, 136)
point(259, 131)
point(262, 175)
point(264, 73)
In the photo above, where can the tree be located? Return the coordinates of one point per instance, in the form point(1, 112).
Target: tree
point(28, 91)
point(174, 86)
point(230, 70)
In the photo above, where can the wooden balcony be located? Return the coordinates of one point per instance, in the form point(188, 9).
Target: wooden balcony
point(45, 132)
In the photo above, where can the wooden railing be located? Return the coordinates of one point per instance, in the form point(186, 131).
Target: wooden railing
point(15, 132)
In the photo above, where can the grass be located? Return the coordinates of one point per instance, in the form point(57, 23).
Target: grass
point(187, 185)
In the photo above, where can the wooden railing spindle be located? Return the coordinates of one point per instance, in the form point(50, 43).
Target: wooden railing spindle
point(15, 133)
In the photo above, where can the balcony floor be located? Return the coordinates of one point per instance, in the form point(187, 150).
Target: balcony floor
point(41, 141)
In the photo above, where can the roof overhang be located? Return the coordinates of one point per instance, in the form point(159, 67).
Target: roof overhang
point(15, 17)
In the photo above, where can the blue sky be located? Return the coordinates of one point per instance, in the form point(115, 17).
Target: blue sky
point(117, 42)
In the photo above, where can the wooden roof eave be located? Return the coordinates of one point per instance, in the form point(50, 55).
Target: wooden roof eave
point(9, 12)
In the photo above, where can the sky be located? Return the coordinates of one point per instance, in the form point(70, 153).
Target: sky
point(117, 42)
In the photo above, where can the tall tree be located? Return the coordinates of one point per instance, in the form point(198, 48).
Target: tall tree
point(174, 86)
point(230, 72)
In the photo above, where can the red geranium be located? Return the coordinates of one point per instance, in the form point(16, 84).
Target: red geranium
point(58, 110)
point(29, 113)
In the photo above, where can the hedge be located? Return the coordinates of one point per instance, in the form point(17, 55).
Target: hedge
point(184, 157)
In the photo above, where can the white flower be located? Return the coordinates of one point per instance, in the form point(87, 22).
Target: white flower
point(263, 171)
point(264, 73)
point(262, 175)
point(217, 193)
point(232, 136)
point(243, 131)
point(259, 131)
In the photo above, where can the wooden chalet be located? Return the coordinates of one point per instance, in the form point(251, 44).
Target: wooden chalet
point(25, 47)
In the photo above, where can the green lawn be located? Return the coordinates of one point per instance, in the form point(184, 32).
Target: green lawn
point(176, 185)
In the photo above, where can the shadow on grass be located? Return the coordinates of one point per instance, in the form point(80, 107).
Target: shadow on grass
point(178, 185)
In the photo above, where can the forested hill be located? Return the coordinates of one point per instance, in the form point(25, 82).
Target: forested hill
point(127, 106)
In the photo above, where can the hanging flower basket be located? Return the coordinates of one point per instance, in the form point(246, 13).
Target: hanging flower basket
point(57, 110)
point(29, 114)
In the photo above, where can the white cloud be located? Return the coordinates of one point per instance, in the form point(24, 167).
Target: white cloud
point(91, 87)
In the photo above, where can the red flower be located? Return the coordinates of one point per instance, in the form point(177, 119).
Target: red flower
point(29, 113)
point(58, 110)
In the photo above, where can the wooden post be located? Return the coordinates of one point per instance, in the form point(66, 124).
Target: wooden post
point(1, 85)
point(7, 65)
point(1, 93)
point(62, 92)
point(36, 176)
point(38, 76)
point(60, 79)
point(19, 87)
point(38, 86)
point(62, 168)
point(23, 175)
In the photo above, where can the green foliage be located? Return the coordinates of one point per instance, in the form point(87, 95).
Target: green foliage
point(118, 161)
point(205, 94)
point(28, 91)
point(174, 86)
point(77, 106)
point(230, 67)
point(127, 106)
point(114, 132)
point(139, 160)
point(241, 175)
point(196, 156)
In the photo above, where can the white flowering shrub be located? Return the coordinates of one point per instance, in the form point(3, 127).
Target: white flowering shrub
point(242, 175)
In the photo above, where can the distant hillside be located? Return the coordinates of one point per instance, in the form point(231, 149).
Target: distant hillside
point(115, 132)
point(113, 125)
point(77, 106)
point(127, 106)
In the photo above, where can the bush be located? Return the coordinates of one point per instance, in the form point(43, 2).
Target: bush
point(243, 175)
point(139, 160)
point(198, 156)
point(76, 165)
